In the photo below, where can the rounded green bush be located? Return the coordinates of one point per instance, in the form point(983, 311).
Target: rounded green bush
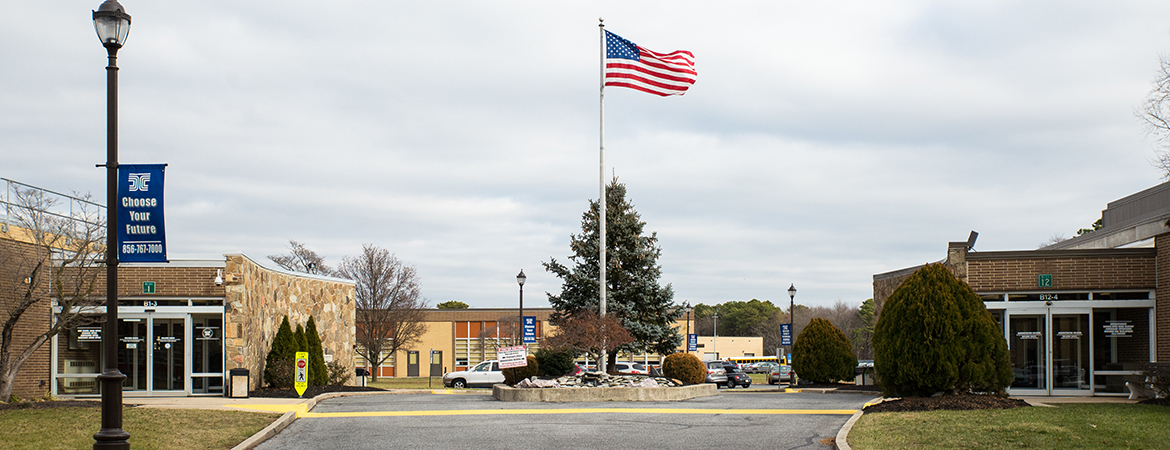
point(934, 334)
point(822, 353)
point(684, 367)
point(554, 363)
point(514, 375)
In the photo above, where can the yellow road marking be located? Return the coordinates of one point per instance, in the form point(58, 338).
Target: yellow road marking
point(475, 412)
point(300, 408)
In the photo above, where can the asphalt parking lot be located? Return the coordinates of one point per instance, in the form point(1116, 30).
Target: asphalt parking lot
point(742, 418)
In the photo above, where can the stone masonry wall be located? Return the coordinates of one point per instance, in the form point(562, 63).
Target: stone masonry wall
point(256, 300)
point(1162, 299)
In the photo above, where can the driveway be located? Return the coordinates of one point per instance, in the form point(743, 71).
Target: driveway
point(742, 420)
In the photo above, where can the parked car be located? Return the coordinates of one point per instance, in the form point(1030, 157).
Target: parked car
point(717, 376)
point(760, 367)
point(738, 378)
point(630, 368)
point(782, 372)
point(483, 374)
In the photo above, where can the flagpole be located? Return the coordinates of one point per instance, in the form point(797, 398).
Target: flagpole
point(602, 204)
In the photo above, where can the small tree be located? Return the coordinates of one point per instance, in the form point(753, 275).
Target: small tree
point(585, 332)
point(389, 303)
point(302, 259)
point(934, 334)
point(318, 373)
point(822, 353)
point(282, 352)
point(301, 340)
point(453, 305)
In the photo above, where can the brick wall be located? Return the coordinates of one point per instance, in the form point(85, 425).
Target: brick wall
point(16, 262)
point(170, 281)
point(1016, 271)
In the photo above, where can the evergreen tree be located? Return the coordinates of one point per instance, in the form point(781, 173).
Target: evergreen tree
point(318, 373)
point(281, 356)
point(822, 353)
point(645, 308)
point(934, 334)
point(301, 341)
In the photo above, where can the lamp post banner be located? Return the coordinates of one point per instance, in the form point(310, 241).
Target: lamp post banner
point(785, 334)
point(141, 232)
point(529, 329)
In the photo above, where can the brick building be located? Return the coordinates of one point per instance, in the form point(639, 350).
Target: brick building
point(1081, 316)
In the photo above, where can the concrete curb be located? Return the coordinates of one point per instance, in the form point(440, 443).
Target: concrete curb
point(269, 431)
point(841, 442)
point(505, 393)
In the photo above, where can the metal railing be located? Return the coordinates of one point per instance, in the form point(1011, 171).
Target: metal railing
point(68, 205)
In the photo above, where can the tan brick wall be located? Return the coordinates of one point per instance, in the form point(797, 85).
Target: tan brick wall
point(259, 298)
point(170, 281)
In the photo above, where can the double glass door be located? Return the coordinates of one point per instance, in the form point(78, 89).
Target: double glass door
point(1049, 351)
point(152, 352)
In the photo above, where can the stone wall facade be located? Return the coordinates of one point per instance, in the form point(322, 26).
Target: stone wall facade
point(257, 298)
point(1162, 299)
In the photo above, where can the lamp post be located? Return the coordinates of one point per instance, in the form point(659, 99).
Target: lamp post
point(520, 279)
point(792, 328)
point(687, 344)
point(715, 340)
point(113, 26)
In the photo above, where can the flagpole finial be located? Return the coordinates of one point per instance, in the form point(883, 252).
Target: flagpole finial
point(601, 22)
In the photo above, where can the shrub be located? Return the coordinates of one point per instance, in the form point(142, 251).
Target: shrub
point(554, 363)
point(301, 341)
point(318, 373)
point(1157, 376)
point(283, 348)
point(279, 374)
point(822, 353)
point(338, 373)
point(934, 334)
point(684, 367)
point(514, 375)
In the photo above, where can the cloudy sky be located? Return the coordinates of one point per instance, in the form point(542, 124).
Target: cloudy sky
point(824, 142)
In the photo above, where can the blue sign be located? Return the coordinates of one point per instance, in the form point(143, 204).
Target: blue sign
point(141, 234)
point(692, 342)
point(529, 329)
point(785, 334)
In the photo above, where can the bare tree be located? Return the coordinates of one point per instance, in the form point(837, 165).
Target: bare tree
point(1155, 115)
point(389, 303)
point(584, 331)
point(50, 263)
point(302, 259)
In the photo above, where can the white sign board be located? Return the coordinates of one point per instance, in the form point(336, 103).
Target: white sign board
point(515, 356)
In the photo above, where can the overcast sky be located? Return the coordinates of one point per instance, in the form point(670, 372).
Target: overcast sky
point(823, 142)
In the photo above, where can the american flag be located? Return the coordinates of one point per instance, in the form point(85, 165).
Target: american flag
point(629, 65)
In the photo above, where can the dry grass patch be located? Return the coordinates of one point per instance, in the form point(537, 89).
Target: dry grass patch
point(149, 428)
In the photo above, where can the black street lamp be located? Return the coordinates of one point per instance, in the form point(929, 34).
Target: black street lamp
point(520, 279)
point(791, 329)
point(687, 306)
point(112, 25)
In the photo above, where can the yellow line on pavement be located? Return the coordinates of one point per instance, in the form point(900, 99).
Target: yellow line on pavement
point(277, 408)
point(475, 412)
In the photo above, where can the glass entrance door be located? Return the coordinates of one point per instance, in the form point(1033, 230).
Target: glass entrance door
point(1027, 347)
point(1070, 352)
point(132, 348)
point(168, 368)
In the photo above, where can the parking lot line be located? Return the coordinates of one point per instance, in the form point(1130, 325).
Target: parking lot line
point(473, 412)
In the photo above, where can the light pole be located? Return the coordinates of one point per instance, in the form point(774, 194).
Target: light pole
point(792, 329)
point(715, 340)
point(687, 344)
point(520, 279)
point(112, 25)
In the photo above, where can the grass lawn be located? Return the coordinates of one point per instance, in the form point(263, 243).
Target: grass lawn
point(1089, 426)
point(149, 428)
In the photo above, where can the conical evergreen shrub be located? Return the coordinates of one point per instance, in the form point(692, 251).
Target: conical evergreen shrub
point(299, 337)
point(934, 334)
point(318, 372)
point(281, 355)
point(822, 353)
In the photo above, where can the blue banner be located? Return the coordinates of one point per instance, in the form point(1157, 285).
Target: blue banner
point(529, 329)
point(141, 234)
point(785, 334)
point(692, 342)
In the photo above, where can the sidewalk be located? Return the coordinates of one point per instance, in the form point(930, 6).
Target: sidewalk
point(222, 403)
point(1049, 401)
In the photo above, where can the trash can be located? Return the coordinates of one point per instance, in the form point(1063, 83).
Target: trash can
point(238, 383)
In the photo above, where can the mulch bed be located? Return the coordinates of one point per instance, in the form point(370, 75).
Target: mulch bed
point(311, 392)
point(839, 387)
point(1156, 401)
point(947, 402)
